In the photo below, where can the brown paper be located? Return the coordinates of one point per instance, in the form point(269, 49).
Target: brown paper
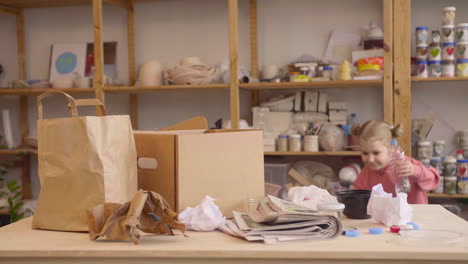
point(122, 221)
point(83, 161)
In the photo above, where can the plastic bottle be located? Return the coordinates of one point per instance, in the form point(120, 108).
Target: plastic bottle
point(460, 154)
point(398, 156)
point(352, 120)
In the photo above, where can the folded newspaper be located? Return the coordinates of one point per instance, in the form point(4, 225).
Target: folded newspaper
point(276, 220)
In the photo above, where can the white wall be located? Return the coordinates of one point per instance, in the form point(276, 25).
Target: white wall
point(170, 30)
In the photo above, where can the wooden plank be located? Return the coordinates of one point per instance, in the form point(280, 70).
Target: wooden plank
point(25, 177)
point(9, 10)
point(438, 79)
point(57, 3)
point(254, 95)
point(183, 87)
point(17, 151)
point(131, 63)
point(233, 60)
point(388, 61)
point(402, 70)
point(36, 91)
point(98, 54)
point(444, 195)
point(319, 153)
point(314, 84)
point(21, 45)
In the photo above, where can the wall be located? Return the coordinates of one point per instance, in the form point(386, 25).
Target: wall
point(170, 30)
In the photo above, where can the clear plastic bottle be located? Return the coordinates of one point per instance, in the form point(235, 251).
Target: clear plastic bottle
point(398, 156)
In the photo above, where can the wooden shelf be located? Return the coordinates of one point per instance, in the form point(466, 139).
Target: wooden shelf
point(4, 212)
point(440, 79)
point(58, 3)
point(444, 195)
point(315, 84)
point(139, 89)
point(17, 151)
point(320, 153)
point(37, 91)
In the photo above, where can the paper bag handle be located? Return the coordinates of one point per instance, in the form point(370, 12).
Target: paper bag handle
point(72, 103)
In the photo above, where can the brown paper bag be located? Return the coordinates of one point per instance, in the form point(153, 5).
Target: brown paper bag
point(83, 161)
point(123, 221)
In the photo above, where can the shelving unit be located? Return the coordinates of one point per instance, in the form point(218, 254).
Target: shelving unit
point(18, 151)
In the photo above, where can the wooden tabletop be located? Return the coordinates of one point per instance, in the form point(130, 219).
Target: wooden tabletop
point(21, 244)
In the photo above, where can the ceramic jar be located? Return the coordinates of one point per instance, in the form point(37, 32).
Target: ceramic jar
point(461, 32)
point(435, 68)
point(448, 68)
point(421, 35)
point(448, 51)
point(462, 68)
point(448, 15)
point(448, 33)
point(422, 71)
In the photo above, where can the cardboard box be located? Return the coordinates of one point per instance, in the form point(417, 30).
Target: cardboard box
point(185, 165)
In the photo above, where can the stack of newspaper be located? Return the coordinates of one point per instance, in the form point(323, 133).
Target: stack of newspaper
point(275, 220)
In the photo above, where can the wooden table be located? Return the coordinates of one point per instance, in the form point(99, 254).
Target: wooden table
point(20, 244)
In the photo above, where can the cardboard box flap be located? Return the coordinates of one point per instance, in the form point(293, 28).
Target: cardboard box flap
point(169, 132)
point(198, 122)
point(161, 154)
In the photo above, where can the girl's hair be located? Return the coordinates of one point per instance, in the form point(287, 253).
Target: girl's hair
point(376, 130)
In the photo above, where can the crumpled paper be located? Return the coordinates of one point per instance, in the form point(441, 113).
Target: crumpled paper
point(310, 196)
point(147, 211)
point(387, 209)
point(204, 217)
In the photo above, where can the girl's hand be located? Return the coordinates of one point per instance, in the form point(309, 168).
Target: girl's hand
point(406, 169)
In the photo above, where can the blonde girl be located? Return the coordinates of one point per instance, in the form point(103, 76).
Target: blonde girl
point(376, 152)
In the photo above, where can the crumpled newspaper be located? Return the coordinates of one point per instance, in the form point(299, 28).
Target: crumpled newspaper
point(147, 211)
point(204, 217)
point(310, 196)
point(387, 209)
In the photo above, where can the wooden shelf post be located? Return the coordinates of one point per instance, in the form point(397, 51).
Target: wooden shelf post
point(254, 95)
point(233, 63)
point(402, 70)
point(131, 63)
point(98, 80)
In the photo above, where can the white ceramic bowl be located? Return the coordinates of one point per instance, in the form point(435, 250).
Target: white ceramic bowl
point(281, 105)
point(62, 83)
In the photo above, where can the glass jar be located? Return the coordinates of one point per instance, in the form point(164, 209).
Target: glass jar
point(421, 51)
point(461, 32)
point(421, 35)
point(448, 15)
point(439, 148)
point(283, 143)
point(424, 150)
point(437, 164)
point(462, 68)
point(422, 71)
point(462, 168)
point(462, 185)
point(450, 167)
point(295, 143)
point(448, 68)
point(259, 116)
point(435, 68)
point(448, 33)
point(450, 185)
point(448, 51)
point(327, 72)
point(440, 187)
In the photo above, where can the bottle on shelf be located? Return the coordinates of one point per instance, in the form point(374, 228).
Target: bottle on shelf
point(398, 156)
point(460, 154)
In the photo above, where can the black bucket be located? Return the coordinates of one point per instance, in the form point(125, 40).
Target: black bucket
point(355, 202)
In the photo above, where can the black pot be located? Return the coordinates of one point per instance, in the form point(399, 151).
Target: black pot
point(355, 202)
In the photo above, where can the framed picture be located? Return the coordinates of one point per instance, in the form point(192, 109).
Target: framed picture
point(66, 60)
